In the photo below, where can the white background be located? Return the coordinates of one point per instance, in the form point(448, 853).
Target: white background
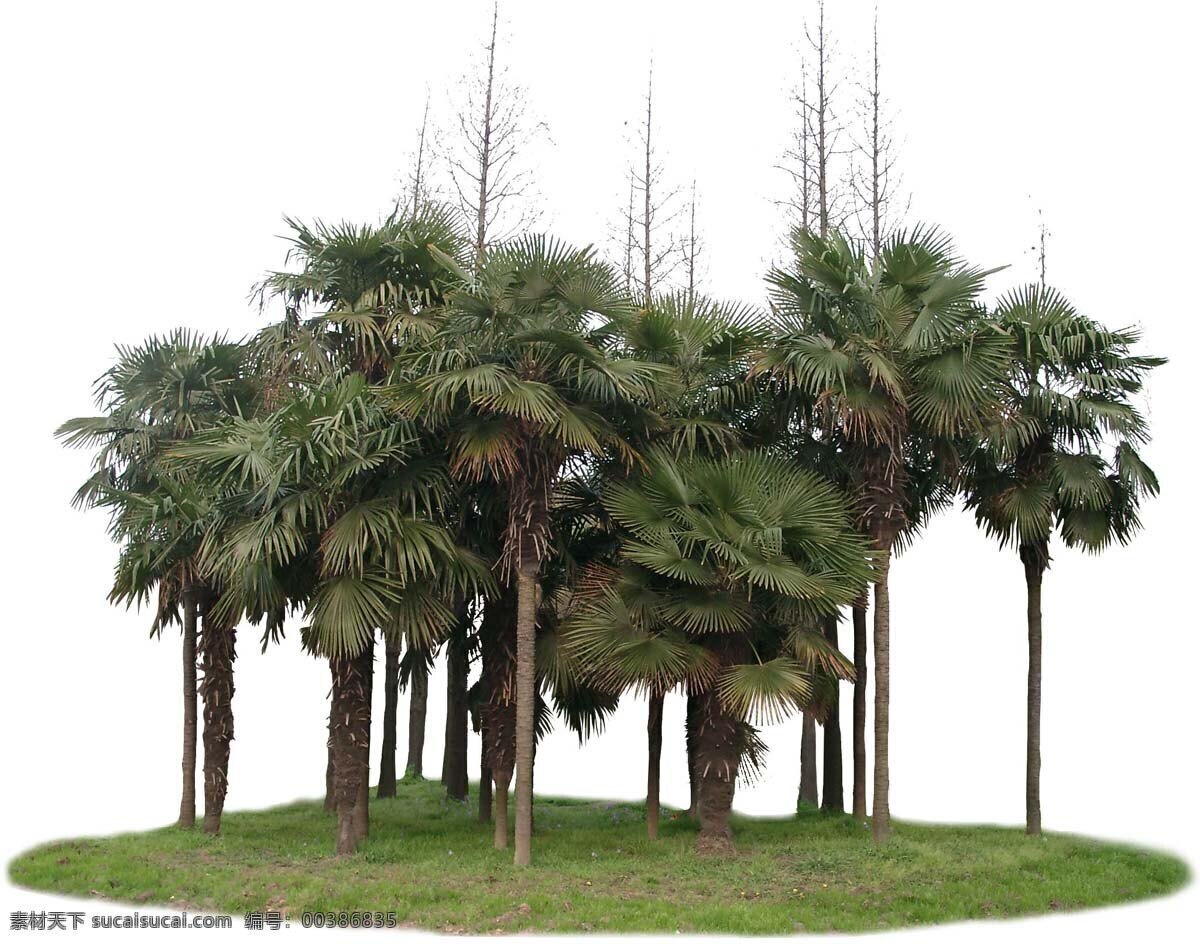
point(150, 151)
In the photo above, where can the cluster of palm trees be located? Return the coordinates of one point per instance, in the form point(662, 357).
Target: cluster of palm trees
point(514, 461)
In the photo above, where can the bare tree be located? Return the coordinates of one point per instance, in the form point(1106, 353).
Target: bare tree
point(491, 130)
point(814, 159)
point(874, 179)
point(652, 253)
point(692, 248)
point(418, 184)
point(1041, 249)
point(818, 199)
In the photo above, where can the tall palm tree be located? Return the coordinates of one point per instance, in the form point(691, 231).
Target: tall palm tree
point(525, 374)
point(897, 358)
point(355, 295)
point(710, 407)
point(727, 567)
point(1062, 457)
point(157, 394)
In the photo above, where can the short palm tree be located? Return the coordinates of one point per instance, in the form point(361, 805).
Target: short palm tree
point(896, 357)
point(727, 566)
point(1062, 457)
point(157, 394)
point(524, 375)
point(330, 507)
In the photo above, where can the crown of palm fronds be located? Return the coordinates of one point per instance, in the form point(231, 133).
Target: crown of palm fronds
point(332, 488)
point(736, 552)
point(1063, 453)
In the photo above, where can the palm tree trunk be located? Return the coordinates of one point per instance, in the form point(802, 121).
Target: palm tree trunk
point(859, 615)
point(1034, 569)
point(526, 684)
point(881, 821)
point(454, 756)
point(418, 701)
point(217, 644)
point(833, 798)
point(485, 793)
point(717, 758)
point(500, 805)
point(330, 780)
point(348, 738)
point(654, 761)
point(691, 725)
point(497, 707)
point(807, 795)
point(362, 805)
point(187, 802)
point(391, 699)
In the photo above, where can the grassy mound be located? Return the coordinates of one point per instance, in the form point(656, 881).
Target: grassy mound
point(432, 863)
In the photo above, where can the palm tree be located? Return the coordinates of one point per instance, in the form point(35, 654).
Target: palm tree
point(896, 358)
point(710, 407)
point(331, 507)
point(1061, 458)
point(354, 296)
point(727, 567)
point(524, 372)
point(157, 394)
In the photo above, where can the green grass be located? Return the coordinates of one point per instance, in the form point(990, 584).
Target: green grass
point(431, 863)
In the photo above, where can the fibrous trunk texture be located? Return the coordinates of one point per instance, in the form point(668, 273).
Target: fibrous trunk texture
point(1034, 559)
point(500, 810)
point(349, 739)
point(485, 793)
point(217, 644)
point(881, 825)
point(832, 793)
point(691, 725)
point(330, 788)
point(718, 752)
point(418, 700)
point(807, 795)
point(454, 756)
point(527, 601)
point(654, 721)
point(391, 700)
point(859, 614)
point(187, 802)
point(498, 704)
point(362, 806)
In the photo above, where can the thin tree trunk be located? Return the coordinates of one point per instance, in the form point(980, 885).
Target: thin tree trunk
point(526, 684)
point(454, 756)
point(691, 726)
point(833, 797)
point(497, 703)
point(218, 652)
point(485, 793)
point(881, 823)
point(654, 761)
point(391, 699)
point(418, 700)
point(187, 803)
point(807, 795)
point(348, 737)
point(859, 614)
point(362, 806)
point(717, 758)
point(1034, 568)
point(485, 149)
point(500, 806)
